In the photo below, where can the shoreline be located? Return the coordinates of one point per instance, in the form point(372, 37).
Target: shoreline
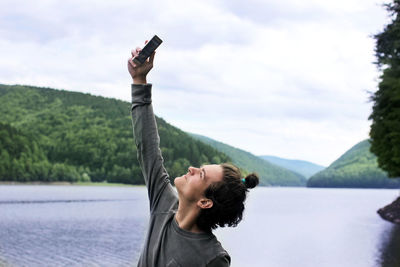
point(391, 212)
point(70, 184)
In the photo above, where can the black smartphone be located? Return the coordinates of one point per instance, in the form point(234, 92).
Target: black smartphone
point(147, 50)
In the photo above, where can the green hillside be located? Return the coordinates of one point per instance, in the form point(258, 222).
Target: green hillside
point(305, 168)
point(270, 174)
point(356, 168)
point(56, 135)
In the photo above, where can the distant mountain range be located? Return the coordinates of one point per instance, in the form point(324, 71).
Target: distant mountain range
point(356, 168)
point(305, 168)
point(55, 135)
point(270, 174)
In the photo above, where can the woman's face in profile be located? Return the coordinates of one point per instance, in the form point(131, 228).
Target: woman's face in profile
point(192, 185)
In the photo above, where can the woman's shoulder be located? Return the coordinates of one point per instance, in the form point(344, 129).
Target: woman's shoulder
point(220, 261)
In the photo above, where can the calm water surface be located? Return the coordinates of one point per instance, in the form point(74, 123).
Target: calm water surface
point(106, 226)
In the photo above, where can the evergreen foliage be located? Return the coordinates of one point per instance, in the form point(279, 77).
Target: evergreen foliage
point(22, 160)
point(270, 174)
point(357, 168)
point(385, 128)
point(53, 135)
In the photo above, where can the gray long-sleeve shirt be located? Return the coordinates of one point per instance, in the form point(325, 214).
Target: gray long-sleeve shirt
point(166, 243)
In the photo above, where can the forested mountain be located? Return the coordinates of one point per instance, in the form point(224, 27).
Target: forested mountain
point(356, 168)
point(270, 174)
point(305, 168)
point(56, 135)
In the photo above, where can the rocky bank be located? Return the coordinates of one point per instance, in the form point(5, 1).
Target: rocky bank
point(391, 212)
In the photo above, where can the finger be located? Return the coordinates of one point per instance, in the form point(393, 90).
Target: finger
point(145, 42)
point(138, 49)
point(151, 58)
point(130, 62)
point(134, 53)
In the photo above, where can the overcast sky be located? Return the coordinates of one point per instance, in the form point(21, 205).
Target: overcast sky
point(288, 78)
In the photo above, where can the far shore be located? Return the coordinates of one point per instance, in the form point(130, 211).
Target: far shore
point(71, 184)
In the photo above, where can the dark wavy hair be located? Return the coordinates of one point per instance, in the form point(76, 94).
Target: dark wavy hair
point(228, 198)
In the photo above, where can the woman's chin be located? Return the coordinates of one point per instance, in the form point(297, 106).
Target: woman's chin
point(178, 181)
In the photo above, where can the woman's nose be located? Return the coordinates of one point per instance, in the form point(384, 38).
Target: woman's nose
point(191, 169)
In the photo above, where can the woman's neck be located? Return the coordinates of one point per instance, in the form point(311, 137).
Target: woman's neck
point(186, 217)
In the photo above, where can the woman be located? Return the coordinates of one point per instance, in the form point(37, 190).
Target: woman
point(181, 221)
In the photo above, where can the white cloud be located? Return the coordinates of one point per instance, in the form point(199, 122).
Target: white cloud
point(287, 78)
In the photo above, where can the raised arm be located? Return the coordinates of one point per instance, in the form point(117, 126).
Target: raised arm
point(146, 135)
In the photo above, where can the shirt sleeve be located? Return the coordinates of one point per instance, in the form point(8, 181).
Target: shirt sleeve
point(220, 261)
point(147, 142)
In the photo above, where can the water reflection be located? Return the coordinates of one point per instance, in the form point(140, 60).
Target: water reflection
point(390, 248)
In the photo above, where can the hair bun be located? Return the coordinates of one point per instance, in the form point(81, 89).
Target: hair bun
point(251, 180)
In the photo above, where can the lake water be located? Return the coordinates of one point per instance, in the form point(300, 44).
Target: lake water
point(105, 226)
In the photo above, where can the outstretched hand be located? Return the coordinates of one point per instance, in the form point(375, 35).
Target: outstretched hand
point(139, 72)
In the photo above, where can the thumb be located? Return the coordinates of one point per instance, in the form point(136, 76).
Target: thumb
point(151, 58)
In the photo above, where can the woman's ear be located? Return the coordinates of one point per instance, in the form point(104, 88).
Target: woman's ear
point(205, 203)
